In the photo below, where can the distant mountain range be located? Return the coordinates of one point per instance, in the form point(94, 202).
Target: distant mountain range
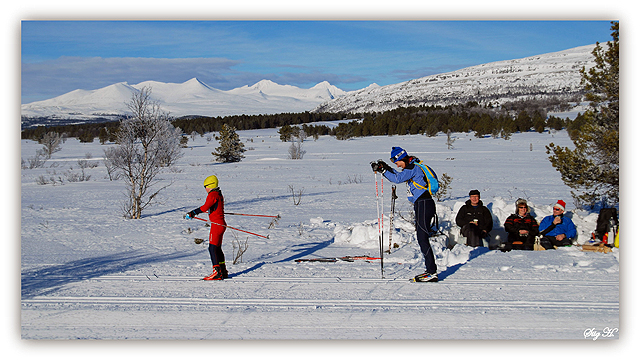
point(547, 75)
point(541, 76)
point(192, 97)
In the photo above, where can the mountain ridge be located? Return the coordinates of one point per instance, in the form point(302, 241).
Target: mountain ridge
point(555, 74)
point(546, 75)
point(192, 97)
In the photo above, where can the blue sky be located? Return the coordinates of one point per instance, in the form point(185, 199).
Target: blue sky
point(61, 56)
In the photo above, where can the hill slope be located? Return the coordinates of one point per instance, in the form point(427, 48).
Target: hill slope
point(552, 74)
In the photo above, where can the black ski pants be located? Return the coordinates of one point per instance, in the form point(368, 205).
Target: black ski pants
point(473, 234)
point(548, 242)
point(217, 257)
point(425, 210)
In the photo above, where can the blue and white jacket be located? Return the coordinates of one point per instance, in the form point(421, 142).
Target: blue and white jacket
point(419, 177)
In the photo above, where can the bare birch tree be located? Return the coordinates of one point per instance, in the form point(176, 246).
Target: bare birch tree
point(51, 142)
point(146, 142)
point(295, 149)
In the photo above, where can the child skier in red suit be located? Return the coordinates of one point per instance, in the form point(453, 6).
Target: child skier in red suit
point(215, 206)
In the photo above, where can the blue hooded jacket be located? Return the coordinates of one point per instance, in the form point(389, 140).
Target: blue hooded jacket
point(419, 179)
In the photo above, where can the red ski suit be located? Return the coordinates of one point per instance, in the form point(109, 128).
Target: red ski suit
point(215, 206)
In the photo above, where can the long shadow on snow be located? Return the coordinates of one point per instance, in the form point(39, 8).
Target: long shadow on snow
point(476, 252)
point(236, 203)
point(184, 209)
point(308, 248)
point(272, 198)
point(46, 280)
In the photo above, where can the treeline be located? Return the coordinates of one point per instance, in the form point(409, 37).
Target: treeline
point(202, 125)
point(429, 120)
point(85, 132)
point(501, 121)
point(105, 131)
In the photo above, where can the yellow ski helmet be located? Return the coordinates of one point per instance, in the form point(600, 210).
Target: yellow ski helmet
point(211, 182)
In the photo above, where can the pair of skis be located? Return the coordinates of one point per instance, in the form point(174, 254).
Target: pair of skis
point(380, 210)
point(425, 277)
point(336, 259)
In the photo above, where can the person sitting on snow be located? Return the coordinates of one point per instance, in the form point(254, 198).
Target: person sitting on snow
point(557, 230)
point(522, 228)
point(474, 219)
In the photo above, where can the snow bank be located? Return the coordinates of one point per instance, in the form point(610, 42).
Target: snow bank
point(447, 249)
point(364, 235)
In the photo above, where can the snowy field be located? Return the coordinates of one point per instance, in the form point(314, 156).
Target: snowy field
point(88, 273)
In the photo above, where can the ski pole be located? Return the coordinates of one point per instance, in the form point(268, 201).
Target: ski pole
point(217, 224)
point(382, 233)
point(252, 215)
point(274, 219)
point(375, 175)
point(391, 215)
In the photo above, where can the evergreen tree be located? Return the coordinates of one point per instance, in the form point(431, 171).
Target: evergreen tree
point(287, 132)
point(523, 121)
point(432, 130)
point(484, 126)
point(555, 123)
point(231, 149)
point(539, 122)
point(103, 136)
point(592, 168)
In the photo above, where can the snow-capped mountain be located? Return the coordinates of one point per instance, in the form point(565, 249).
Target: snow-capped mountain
point(192, 97)
point(538, 76)
point(546, 75)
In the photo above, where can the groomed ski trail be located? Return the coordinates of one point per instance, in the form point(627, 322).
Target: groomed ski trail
point(334, 303)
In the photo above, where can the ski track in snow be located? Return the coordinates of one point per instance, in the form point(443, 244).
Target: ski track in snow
point(348, 303)
point(87, 273)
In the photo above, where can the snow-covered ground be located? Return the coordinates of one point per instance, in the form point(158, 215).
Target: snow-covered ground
point(88, 273)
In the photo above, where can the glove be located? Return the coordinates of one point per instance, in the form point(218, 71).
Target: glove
point(375, 167)
point(189, 215)
point(384, 166)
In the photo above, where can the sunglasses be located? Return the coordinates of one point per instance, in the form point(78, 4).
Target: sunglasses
point(557, 209)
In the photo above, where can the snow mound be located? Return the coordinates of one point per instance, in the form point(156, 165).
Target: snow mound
point(446, 247)
point(363, 235)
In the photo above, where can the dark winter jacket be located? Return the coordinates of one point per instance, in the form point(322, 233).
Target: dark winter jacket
point(515, 223)
point(468, 213)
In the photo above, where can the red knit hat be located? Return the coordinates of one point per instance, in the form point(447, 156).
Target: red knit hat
point(561, 204)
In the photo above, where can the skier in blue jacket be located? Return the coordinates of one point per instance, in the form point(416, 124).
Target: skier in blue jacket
point(422, 184)
point(556, 229)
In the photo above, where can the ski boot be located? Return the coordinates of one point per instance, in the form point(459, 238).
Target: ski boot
point(223, 270)
point(425, 277)
point(216, 275)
